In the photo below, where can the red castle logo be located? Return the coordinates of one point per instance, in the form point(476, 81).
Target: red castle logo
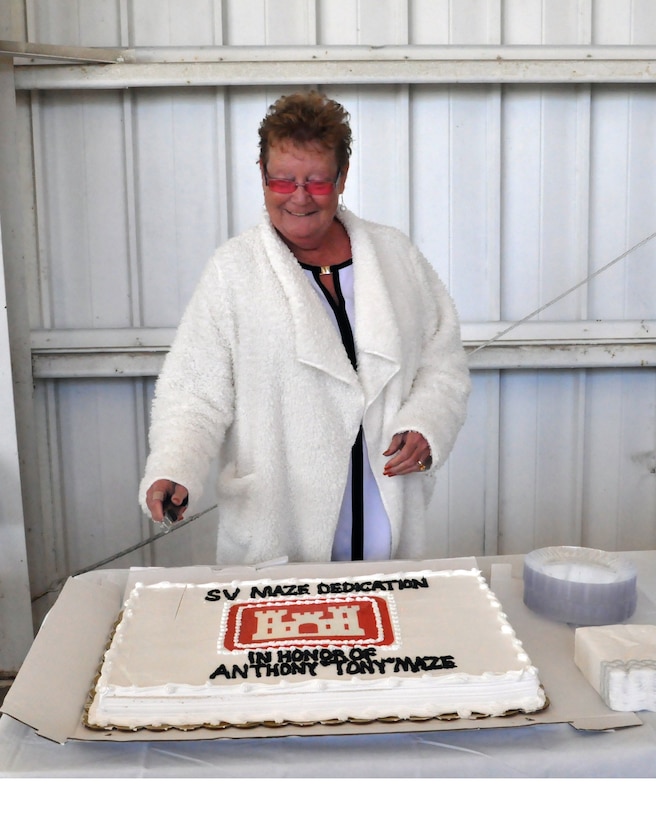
point(363, 620)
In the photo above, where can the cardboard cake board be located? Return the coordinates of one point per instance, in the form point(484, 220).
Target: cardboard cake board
point(52, 686)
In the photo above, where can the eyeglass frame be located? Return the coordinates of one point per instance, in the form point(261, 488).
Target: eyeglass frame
point(304, 185)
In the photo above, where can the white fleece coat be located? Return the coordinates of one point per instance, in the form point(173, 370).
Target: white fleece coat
point(258, 376)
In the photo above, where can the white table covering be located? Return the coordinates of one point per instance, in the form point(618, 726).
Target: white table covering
point(548, 750)
point(553, 750)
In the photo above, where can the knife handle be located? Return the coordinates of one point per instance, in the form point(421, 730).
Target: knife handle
point(171, 513)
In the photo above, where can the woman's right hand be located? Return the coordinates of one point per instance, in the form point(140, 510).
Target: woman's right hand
point(160, 492)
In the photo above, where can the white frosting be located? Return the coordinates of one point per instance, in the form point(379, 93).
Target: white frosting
point(619, 661)
point(440, 649)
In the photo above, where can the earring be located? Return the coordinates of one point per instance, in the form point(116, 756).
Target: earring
point(342, 207)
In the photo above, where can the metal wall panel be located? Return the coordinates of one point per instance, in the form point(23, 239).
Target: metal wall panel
point(514, 192)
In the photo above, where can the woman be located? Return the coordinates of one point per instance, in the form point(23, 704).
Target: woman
point(320, 359)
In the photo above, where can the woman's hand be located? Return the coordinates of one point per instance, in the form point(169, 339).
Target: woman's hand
point(162, 491)
point(411, 454)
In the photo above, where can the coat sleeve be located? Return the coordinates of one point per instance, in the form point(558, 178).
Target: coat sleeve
point(436, 406)
point(194, 395)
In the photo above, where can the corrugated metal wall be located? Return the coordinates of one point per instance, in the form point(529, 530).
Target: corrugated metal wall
point(514, 191)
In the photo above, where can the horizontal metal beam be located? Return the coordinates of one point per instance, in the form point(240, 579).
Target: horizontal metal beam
point(563, 356)
point(280, 65)
point(30, 52)
point(124, 353)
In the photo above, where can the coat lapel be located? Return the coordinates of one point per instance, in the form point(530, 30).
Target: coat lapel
point(377, 335)
point(378, 339)
point(317, 342)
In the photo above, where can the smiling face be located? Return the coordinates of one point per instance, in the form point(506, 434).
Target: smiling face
point(304, 222)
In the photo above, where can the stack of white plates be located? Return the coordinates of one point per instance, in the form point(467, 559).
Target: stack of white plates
point(580, 586)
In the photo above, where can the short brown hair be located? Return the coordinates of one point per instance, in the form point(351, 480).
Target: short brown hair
point(306, 117)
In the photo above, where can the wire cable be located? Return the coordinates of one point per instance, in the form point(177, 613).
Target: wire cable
point(565, 293)
point(56, 586)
